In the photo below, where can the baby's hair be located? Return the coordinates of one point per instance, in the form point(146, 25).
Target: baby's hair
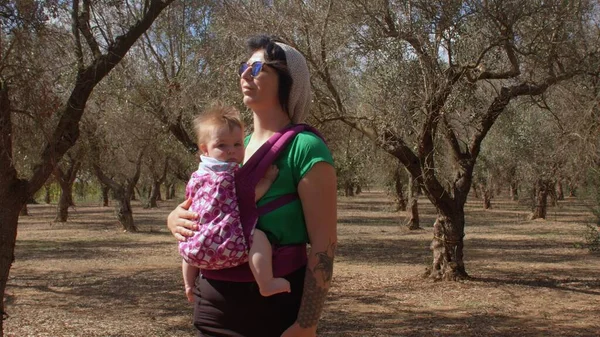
point(216, 116)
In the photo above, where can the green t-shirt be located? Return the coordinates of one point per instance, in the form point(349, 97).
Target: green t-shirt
point(286, 224)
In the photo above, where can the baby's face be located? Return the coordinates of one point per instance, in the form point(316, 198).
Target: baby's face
point(225, 145)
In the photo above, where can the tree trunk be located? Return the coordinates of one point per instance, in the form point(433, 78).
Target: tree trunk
point(475, 193)
point(349, 189)
point(498, 190)
point(447, 247)
point(12, 201)
point(173, 192)
point(541, 199)
point(412, 218)
point(154, 194)
point(24, 211)
point(170, 191)
point(514, 192)
point(123, 211)
point(105, 189)
point(399, 190)
point(486, 193)
point(47, 198)
point(66, 179)
point(560, 194)
point(358, 189)
point(13, 191)
point(65, 201)
point(572, 190)
point(487, 200)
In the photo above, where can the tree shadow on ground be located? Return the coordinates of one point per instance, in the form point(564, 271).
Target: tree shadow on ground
point(80, 249)
point(384, 251)
point(401, 319)
point(156, 293)
point(583, 286)
point(526, 250)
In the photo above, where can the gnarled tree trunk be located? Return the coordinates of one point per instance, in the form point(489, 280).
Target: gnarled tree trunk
point(170, 191)
point(486, 193)
point(412, 218)
point(560, 194)
point(447, 247)
point(104, 189)
point(514, 191)
point(123, 210)
point(572, 187)
point(122, 193)
point(542, 190)
point(399, 190)
point(156, 182)
point(349, 189)
point(13, 199)
point(65, 201)
point(65, 180)
point(47, 198)
point(154, 194)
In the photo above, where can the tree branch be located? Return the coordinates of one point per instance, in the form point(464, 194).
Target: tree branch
point(451, 138)
point(7, 168)
point(75, 30)
point(67, 130)
point(508, 46)
point(105, 179)
point(138, 171)
point(83, 23)
point(157, 58)
point(503, 99)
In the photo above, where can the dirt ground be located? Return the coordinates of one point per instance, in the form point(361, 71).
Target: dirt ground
point(87, 277)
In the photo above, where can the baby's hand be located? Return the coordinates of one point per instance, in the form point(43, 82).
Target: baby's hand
point(189, 293)
point(271, 174)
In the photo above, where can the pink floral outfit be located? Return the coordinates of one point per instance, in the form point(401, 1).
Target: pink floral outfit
point(219, 242)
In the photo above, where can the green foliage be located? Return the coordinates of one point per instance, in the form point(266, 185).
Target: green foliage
point(592, 192)
point(592, 238)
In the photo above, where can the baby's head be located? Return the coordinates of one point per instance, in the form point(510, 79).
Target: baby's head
point(220, 133)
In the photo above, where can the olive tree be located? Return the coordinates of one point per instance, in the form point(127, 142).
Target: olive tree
point(97, 47)
point(450, 68)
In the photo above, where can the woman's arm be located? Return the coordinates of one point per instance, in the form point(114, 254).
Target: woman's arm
point(318, 194)
point(180, 221)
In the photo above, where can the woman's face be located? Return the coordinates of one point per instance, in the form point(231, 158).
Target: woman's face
point(260, 92)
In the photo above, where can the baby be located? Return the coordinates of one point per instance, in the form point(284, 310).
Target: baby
point(220, 134)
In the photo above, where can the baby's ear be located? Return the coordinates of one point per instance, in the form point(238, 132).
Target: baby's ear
point(203, 149)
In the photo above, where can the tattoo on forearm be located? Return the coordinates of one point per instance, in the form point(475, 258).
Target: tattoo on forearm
point(314, 295)
point(325, 264)
point(312, 304)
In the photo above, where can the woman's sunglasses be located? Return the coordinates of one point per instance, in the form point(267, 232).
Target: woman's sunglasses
point(256, 68)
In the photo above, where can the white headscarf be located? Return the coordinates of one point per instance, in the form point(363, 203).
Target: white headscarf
point(300, 93)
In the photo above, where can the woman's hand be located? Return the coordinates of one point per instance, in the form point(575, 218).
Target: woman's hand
point(296, 331)
point(180, 221)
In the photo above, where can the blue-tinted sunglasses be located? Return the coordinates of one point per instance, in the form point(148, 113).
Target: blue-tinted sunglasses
point(256, 68)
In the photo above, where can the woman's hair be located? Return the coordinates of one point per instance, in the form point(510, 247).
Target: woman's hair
point(275, 57)
point(216, 116)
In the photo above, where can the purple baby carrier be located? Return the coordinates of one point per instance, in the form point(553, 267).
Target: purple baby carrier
point(219, 242)
point(286, 259)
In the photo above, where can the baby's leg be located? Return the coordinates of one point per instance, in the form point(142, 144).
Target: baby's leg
point(189, 279)
point(261, 264)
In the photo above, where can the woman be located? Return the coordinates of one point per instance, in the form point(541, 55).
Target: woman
point(276, 87)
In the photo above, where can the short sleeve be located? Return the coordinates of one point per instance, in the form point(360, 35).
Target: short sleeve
point(307, 150)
